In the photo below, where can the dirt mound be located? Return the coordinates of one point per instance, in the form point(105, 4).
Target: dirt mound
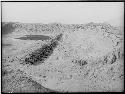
point(87, 57)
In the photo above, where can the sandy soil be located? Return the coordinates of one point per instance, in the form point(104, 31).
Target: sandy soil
point(60, 72)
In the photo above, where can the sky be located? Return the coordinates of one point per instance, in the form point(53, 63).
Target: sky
point(61, 12)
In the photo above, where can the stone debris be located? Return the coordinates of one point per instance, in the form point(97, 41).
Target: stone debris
point(78, 58)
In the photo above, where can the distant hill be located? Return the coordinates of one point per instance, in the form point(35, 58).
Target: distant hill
point(51, 28)
point(7, 28)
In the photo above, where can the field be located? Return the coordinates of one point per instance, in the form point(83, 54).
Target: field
point(62, 57)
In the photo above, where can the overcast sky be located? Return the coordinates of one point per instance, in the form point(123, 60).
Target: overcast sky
point(62, 12)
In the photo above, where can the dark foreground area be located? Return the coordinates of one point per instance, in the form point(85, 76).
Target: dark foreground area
point(18, 82)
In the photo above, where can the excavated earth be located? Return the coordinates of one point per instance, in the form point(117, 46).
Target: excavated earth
point(62, 58)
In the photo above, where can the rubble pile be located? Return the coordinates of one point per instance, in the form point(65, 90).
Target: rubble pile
point(80, 57)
